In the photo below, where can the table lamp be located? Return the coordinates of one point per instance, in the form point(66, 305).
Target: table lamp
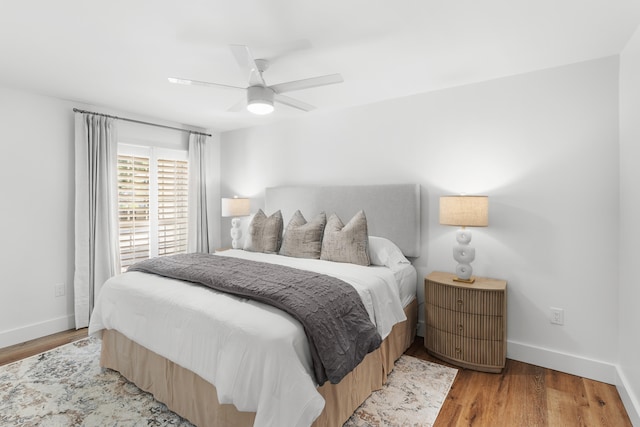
point(464, 211)
point(235, 208)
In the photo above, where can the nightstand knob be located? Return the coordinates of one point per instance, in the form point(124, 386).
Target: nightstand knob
point(460, 302)
point(460, 328)
point(458, 350)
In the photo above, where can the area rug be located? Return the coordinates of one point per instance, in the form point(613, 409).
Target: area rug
point(67, 387)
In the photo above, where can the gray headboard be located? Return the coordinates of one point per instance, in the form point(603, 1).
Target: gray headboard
point(392, 211)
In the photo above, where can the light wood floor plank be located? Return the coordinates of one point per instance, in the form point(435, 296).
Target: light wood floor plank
point(604, 403)
point(29, 348)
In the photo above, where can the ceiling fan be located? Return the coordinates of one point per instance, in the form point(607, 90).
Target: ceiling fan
point(260, 96)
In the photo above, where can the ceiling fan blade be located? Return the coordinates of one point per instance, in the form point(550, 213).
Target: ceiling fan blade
point(295, 103)
point(239, 106)
point(247, 62)
point(180, 81)
point(329, 79)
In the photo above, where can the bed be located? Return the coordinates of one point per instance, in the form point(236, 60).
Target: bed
point(179, 339)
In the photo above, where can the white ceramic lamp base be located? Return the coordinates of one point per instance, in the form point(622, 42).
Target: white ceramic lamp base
point(464, 254)
point(235, 233)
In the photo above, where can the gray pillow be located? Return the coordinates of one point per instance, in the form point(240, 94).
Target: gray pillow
point(346, 243)
point(303, 239)
point(265, 234)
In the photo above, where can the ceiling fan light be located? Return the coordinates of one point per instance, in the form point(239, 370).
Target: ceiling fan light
point(259, 100)
point(259, 106)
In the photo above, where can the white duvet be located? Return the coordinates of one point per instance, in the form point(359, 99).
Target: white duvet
point(255, 355)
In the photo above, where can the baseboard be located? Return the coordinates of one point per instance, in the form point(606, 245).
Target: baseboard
point(36, 330)
point(629, 400)
point(563, 362)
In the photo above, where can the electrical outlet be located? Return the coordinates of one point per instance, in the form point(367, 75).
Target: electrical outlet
point(557, 316)
point(59, 289)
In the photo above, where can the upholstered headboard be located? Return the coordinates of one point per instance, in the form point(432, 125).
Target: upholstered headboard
point(392, 211)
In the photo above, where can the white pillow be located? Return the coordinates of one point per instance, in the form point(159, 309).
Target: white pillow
point(384, 252)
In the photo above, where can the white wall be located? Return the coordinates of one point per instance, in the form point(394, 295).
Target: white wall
point(37, 215)
point(542, 145)
point(36, 183)
point(629, 381)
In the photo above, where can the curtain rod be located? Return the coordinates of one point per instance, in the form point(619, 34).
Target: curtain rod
point(76, 110)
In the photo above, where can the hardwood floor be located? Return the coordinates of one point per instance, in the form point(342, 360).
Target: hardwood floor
point(526, 395)
point(522, 395)
point(29, 348)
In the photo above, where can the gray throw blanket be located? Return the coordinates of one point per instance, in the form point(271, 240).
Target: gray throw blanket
point(334, 318)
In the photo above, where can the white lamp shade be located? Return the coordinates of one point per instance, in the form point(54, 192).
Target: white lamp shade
point(464, 211)
point(236, 206)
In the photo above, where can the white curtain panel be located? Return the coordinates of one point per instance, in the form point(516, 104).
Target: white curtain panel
point(97, 255)
point(198, 231)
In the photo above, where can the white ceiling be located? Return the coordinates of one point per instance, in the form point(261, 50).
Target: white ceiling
point(119, 53)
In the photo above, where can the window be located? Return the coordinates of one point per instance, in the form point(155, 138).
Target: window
point(133, 209)
point(152, 202)
point(172, 206)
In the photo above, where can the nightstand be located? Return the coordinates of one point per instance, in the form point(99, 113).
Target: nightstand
point(466, 324)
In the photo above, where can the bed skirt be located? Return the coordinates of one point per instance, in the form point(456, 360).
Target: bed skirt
point(195, 399)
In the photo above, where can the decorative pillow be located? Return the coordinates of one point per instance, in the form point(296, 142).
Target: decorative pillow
point(265, 234)
point(346, 243)
point(384, 252)
point(303, 239)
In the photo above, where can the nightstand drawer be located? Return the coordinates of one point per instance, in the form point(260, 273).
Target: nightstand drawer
point(465, 300)
point(465, 324)
point(466, 351)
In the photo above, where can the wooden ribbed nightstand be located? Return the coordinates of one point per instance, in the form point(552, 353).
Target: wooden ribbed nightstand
point(466, 324)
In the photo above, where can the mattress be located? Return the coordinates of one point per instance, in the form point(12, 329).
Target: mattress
point(256, 356)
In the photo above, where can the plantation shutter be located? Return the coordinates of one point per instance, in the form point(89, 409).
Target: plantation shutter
point(173, 195)
point(133, 209)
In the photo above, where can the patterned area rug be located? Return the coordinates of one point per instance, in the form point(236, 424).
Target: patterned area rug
point(67, 387)
point(413, 396)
